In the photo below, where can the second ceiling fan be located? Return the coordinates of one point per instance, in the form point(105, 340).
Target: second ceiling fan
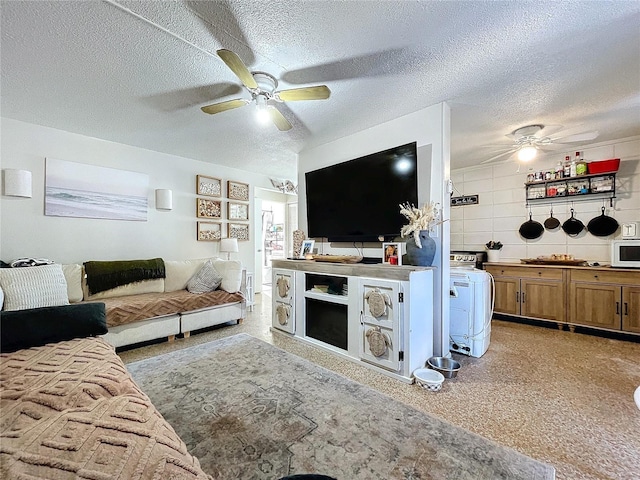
point(262, 87)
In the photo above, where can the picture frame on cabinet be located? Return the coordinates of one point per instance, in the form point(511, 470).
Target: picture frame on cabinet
point(237, 211)
point(307, 248)
point(206, 208)
point(392, 253)
point(237, 191)
point(238, 230)
point(209, 186)
point(209, 231)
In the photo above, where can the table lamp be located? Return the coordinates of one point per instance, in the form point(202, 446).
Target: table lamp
point(229, 245)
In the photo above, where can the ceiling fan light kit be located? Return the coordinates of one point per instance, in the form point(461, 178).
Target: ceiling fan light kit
point(262, 87)
point(527, 142)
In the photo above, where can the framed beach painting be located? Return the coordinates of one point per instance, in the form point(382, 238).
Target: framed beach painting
point(209, 231)
point(209, 186)
point(89, 191)
point(237, 190)
point(208, 208)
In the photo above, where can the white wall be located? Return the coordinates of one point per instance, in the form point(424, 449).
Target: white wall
point(26, 232)
point(430, 128)
point(502, 208)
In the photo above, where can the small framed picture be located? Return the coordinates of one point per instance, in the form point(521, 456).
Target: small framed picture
point(237, 190)
point(208, 208)
point(209, 186)
point(238, 230)
point(209, 231)
point(307, 248)
point(237, 211)
point(392, 253)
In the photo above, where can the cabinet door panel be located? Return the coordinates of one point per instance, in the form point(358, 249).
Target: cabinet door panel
point(595, 305)
point(506, 291)
point(631, 309)
point(543, 299)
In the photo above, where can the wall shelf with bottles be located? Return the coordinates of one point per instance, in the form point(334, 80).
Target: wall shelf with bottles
point(587, 187)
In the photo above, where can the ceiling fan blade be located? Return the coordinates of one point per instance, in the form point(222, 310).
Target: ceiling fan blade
point(279, 120)
point(500, 155)
point(319, 92)
point(238, 67)
point(579, 137)
point(224, 106)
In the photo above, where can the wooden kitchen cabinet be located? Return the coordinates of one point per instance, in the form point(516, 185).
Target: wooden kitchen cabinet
point(531, 292)
point(602, 298)
point(605, 299)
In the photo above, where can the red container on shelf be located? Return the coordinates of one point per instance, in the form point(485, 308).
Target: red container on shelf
point(604, 166)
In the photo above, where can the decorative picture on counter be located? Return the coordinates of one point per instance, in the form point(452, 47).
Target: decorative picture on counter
point(238, 230)
point(392, 253)
point(237, 190)
point(209, 231)
point(208, 208)
point(307, 248)
point(238, 211)
point(209, 186)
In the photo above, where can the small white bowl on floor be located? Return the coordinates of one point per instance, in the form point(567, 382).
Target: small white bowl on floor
point(429, 379)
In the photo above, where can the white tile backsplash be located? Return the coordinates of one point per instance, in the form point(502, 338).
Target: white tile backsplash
point(502, 207)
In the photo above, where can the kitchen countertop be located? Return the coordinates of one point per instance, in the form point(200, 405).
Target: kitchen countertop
point(608, 268)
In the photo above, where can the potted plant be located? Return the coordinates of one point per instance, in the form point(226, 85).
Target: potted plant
point(422, 249)
point(493, 251)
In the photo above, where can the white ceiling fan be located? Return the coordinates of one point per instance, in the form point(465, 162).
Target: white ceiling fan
point(528, 140)
point(262, 87)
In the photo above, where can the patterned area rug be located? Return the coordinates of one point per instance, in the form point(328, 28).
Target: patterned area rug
point(249, 410)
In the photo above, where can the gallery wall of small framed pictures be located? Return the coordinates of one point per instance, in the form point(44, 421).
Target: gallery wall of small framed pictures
point(237, 210)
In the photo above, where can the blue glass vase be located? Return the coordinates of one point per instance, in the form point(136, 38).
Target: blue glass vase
point(422, 257)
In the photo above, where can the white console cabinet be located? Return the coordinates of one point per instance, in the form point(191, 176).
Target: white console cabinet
point(378, 315)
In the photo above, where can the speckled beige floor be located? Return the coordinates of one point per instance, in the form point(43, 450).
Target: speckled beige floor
point(562, 398)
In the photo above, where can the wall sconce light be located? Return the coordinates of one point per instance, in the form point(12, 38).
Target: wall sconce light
point(164, 199)
point(17, 183)
point(229, 245)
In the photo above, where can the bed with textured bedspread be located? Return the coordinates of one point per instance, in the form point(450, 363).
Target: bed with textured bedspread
point(71, 410)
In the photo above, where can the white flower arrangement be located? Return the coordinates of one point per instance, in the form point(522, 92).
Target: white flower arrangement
point(419, 219)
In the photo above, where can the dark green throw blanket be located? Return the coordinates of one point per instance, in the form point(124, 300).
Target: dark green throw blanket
point(103, 276)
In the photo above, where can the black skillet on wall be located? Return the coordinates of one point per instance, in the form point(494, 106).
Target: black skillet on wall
point(531, 229)
point(572, 226)
point(602, 225)
point(552, 222)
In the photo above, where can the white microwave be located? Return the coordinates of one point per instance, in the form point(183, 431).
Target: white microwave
point(625, 253)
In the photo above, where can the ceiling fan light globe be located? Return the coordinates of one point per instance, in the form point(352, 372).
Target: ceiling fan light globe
point(263, 115)
point(527, 153)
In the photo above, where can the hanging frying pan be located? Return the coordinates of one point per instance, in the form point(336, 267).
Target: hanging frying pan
point(602, 225)
point(552, 222)
point(572, 226)
point(531, 229)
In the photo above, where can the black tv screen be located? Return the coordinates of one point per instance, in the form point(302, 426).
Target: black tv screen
point(358, 200)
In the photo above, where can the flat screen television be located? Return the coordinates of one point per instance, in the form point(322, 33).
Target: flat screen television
point(358, 200)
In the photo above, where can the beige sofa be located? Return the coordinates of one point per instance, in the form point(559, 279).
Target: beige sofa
point(140, 311)
point(90, 421)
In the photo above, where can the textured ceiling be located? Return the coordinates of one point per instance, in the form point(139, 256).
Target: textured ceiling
point(138, 72)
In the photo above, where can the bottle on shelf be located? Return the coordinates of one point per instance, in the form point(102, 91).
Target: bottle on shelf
point(567, 166)
point(581, 165)
point(559, 170)
point(573, 166)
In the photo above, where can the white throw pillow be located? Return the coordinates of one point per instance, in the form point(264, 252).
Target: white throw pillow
point(231, 271)
point(33, 287)
point(73, 276)
point(206, 280)
point(179, 272)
